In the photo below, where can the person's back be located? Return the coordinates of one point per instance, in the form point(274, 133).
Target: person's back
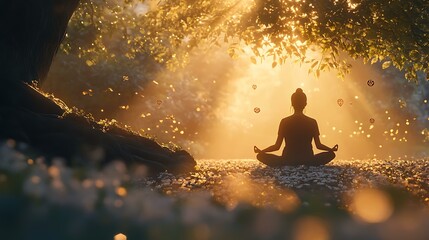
point(298, 131)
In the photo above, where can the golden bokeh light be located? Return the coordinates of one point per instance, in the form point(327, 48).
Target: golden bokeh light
point(121, 191)
point(311, 228)
point(371, 205)
point(120, 236)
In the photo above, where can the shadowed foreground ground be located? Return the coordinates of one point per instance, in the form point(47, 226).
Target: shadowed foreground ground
point(222, 199)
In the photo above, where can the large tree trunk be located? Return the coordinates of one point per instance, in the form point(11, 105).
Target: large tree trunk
point(30, 34)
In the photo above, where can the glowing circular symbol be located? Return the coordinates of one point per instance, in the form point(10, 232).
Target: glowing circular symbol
point(340, 102)
point(159, 102)
point(254, 86)
point(256, 110)
point(370, 82)
point(372, 120)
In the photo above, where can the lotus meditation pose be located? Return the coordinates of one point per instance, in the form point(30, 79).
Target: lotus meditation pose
point(298, 131)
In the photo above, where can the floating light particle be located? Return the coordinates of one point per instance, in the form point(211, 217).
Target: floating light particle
point(356, 97)
point(371, 126)
point(155, 82)
point(402, 103)
point(368, 135)
point(124, 107)
point(101, 110)
point(198, 109)
point(257, 110)
point(380, 146)
point(125, 78)
point(340, 102)
point(372, 120)
point(182, 132)
point(425, 101)
point(370, 82)
point(254, 86)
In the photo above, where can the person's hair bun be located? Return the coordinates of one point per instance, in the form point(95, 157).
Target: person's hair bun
point(299, 90)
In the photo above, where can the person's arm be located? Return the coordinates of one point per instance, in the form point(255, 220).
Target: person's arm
point(276, 145)
point(323, 147)
point(319, 145)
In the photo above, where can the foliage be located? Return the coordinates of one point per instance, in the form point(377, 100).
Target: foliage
point(393, 32)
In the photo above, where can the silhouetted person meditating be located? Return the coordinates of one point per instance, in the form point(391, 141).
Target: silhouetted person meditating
point(298, 131)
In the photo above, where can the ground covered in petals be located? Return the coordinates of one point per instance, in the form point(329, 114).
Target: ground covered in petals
point(236, 180)
point(221, 199)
